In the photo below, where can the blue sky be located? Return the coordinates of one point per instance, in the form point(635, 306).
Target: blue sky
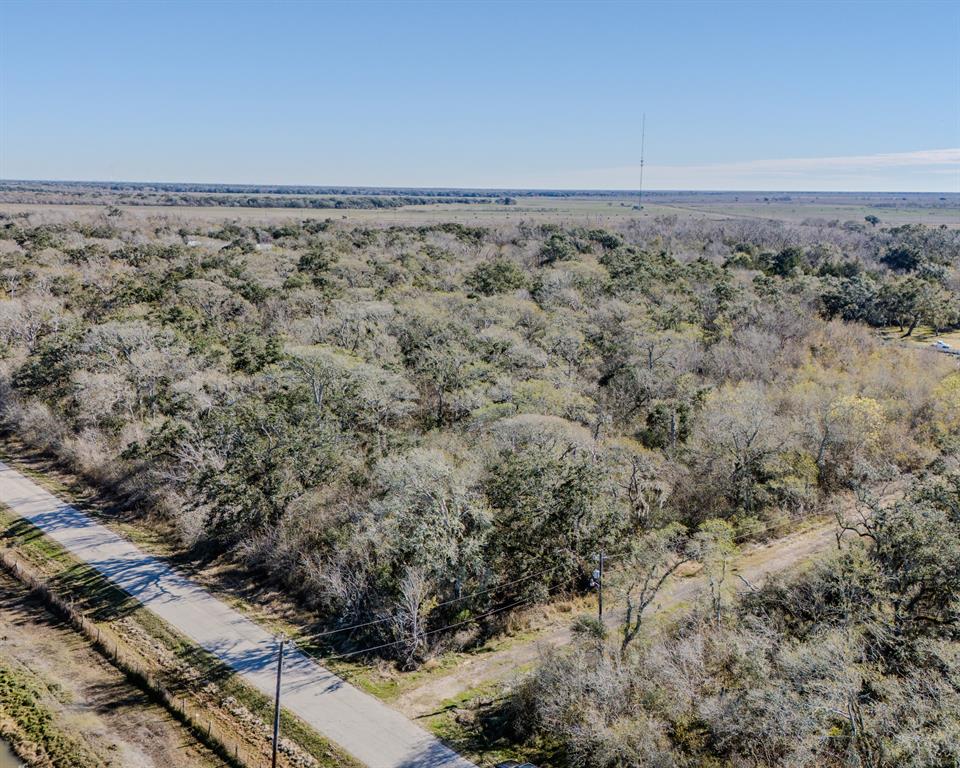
point(737, 95)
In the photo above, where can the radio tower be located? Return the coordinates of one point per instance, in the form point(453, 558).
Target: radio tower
point(643, 135)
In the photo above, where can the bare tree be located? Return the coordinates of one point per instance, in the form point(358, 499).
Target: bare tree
point(409, 619)
point(652, 559)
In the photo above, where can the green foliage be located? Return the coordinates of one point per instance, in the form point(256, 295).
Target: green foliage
point(430, 518)
point(316, 263)
point(252, 353)
point(35, 731)
point(852, 661)
point(852, 298)
point(666, 425)
point(635, 269)
point(903, 258)
point(469, 235)
point(496, 276)
point(608, 240)
point(556, 248)
point(268, 453)
point(47, 370)
point(787, 262)
point(549, 508)
point(916, 549)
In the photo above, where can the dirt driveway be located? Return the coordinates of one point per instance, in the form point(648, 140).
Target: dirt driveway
point(755, 563)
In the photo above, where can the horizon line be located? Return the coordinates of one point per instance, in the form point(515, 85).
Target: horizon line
point(498, 190)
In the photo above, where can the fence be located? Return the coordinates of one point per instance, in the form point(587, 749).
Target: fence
point(235, 751)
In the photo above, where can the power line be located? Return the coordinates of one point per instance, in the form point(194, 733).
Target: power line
point(461, 598)
point(738, 538)
point(495, 611)
point(452, 626)
point(488, 590)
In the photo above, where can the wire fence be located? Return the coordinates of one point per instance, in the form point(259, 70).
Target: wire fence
point(234, 750)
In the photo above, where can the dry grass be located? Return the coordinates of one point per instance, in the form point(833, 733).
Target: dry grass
point(569, 211)
point(101, 717)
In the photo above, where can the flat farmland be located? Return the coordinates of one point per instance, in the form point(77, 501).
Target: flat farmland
point(582, 210)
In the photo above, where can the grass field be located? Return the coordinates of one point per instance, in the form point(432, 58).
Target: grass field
point(594, 211)
point(923, 335)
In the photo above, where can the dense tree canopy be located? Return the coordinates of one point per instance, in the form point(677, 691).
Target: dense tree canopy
point(380, 415)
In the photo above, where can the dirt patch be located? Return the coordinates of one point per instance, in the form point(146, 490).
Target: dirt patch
point(89, 698)
point(756, 563)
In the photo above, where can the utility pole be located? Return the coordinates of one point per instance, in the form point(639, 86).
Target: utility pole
point(276, 708)
point(597, 581)
point(600, 593)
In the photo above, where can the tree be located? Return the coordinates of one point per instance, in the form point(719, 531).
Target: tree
point(557, 248)
point(320, 370)
point(903, 258)
point(647, 565)
point(252, 352)
point(851, 298)
point(916, 546)
point(429, 517)
point(550, 508)
point(642, 478)
point(716, 549)
point(443, 368)
point(845, 433)
point(260, 455)
point(740, 434)
point(410, 617)
point(872, 220)
point(910, 301)
point(316, 263)
point(496, 276)
point(787, 262)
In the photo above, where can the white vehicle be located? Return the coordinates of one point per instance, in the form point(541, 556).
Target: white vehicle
point(941, 344)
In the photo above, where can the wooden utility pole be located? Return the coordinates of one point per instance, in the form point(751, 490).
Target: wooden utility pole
point(600, 590)
point(276, 708)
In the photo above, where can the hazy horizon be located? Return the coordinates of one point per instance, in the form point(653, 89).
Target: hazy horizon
point(319, 187)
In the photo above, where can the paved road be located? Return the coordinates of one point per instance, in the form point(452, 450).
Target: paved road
point(369, 730)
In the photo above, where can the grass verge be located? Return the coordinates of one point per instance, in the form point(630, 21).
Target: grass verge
point(222, 711)
point(232, 585)
point(30, 726)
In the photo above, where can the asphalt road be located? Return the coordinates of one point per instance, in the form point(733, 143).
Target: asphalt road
point(361, 725)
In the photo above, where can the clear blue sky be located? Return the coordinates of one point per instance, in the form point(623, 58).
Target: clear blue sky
point(737, 95)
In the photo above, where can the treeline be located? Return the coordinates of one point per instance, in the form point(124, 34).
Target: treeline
point(347, 201)
point(917, 285)
point(878, 200)
point(239, 201)
point(94, 187)
point(424, 425)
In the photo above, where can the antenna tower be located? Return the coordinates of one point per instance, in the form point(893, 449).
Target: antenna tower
point(643, 136)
